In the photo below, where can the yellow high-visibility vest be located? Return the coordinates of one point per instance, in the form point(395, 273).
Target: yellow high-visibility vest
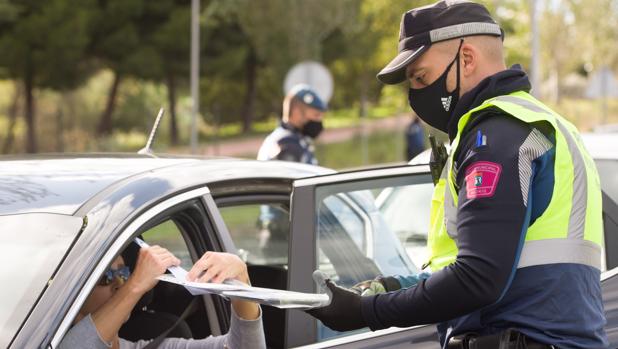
point(571, 228)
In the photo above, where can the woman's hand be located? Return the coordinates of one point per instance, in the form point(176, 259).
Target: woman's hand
point(151, 263)
point(217, 267)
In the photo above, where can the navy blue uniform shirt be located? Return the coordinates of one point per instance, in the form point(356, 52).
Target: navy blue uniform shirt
point(288, 144)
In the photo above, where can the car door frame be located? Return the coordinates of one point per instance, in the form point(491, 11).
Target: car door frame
point(301, 329)
point(248, 192)
point(131, 229)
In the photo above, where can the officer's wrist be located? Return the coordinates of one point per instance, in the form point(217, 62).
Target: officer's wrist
point(390, 283)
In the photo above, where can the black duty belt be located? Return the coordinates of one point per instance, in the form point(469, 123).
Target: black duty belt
point(508, 339)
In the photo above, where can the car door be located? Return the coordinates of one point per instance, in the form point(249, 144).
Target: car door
point(337, 227)
point(186, 223)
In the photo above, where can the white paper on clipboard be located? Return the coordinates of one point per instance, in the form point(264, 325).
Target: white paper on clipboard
point(268, 296)
point(235, 289)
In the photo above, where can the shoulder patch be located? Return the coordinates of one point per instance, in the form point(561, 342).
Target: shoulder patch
point(482, 179)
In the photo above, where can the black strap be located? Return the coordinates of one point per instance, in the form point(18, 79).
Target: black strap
point(507, 339)
point(155, 342)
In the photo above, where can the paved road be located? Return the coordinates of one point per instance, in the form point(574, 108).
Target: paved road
point(248, 147)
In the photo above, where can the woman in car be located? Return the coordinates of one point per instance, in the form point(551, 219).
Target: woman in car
point(110, 303)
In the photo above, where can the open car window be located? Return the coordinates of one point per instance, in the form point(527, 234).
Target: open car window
point(260, 232)
point(182, 226)
point(168, 235)
point(160, 307)
point(260, 228)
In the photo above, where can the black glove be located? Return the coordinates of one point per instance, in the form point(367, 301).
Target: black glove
point(344, 311)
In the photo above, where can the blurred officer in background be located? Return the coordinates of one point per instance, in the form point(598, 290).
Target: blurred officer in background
point(292, 140)
point(301, 123)
point(415, 138)
point(516, 229)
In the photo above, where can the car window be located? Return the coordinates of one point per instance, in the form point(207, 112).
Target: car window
point(169, 236)
point(259, 231)
point(406, 211)
point(356, 241)
point(609, 181)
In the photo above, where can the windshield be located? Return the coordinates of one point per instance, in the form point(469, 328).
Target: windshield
point(31, 247)
point(609, 181)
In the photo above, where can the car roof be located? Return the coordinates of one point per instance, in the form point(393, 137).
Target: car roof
point(601, 145)
point(63, 183)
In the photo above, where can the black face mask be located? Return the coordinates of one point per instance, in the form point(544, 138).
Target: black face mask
point(312, 129)
point(433, 103)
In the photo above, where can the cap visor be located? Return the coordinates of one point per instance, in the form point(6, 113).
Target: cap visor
point(395, 71)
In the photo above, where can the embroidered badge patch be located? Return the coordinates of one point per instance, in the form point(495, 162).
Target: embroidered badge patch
point(482, 179)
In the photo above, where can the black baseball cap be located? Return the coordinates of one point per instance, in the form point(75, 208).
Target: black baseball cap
point(423, 26)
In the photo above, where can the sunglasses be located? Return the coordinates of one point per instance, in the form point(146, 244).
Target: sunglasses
point(121, 275)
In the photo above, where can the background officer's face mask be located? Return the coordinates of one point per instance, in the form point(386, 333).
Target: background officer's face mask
point(312, 128)
point(433, 103)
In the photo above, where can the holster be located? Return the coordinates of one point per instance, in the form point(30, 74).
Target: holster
point(508, 339)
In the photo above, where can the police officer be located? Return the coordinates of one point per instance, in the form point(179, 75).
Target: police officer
point(301, 123)
point(516, 228)
point(292, 140)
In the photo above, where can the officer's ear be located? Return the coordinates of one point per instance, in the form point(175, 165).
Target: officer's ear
point(468, 59)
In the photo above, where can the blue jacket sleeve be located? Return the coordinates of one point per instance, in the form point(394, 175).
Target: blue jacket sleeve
point(411, 280)
point(491, 225)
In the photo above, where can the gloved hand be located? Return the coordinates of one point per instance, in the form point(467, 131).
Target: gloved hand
point(344, 311)
point(378, 285)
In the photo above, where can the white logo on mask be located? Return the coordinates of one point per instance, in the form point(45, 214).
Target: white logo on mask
point(446, 102)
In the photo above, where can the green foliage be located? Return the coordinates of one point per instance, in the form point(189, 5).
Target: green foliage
point(381, 148)
point(72, 49)
point(594, 30)
point(513, 17)
point(364, 44)
point(35, 41)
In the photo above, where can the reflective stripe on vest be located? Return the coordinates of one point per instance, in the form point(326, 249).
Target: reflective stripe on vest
point(569, 230)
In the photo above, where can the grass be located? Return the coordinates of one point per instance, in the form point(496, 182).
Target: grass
point(168, 235)
point(377, 148)
point(333, 119)
point(241, 218)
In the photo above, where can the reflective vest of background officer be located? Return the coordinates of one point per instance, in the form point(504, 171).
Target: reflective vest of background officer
point(516, 233)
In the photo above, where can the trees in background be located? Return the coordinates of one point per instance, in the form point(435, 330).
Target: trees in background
point(171, 41)
point(247, 47)
point(37, 54)
point(115, 40)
